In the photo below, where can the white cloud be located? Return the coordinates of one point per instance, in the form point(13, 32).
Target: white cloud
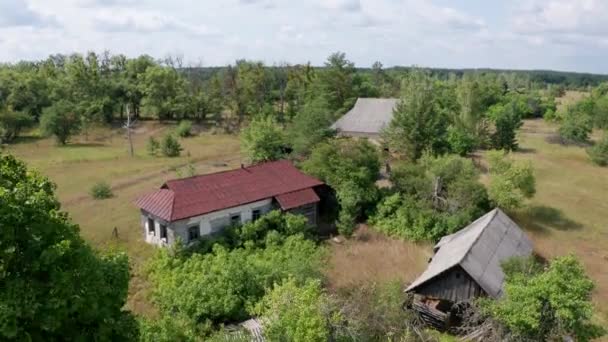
point(455, 33)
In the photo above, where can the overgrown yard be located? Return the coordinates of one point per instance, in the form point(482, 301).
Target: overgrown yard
point(103, 156)
point(569, 213)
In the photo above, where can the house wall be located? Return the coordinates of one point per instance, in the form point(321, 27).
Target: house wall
point(207, 224)
point(455, 285)
point(310, 211)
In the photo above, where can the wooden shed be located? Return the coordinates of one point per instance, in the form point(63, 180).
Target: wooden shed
point(467, 264)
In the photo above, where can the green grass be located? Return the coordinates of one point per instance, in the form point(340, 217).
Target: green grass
point(569, 213)
point(103, 157)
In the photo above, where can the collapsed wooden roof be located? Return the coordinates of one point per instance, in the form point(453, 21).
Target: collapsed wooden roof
point(479, 249)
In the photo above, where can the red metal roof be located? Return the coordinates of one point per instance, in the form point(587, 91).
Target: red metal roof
point(188, 197)
point(297, 198)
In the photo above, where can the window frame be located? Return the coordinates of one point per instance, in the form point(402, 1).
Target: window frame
point(163, 231)
point(256, 214)
point(191, 229)
point(151, 226)
point(235, 219)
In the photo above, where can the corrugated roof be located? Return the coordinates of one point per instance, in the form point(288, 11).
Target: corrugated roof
point(188, 197)
point(369, 115)
point(297, 198)
point(479, 249)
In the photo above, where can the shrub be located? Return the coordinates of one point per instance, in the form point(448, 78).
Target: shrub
point(101, 190)
point(153, 146)
point(506, 121)
point(461, 142)
point(510, 182)
point(546, 305)
point(170, 147)
point(599, 152)
point(184, 129)
point(575, 127)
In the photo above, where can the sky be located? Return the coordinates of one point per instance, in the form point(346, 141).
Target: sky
point(569, 35)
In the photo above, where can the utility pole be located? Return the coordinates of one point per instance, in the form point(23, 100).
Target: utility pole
point(129, 127)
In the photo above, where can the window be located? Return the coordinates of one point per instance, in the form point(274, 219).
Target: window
point(235, 219)
point(256, 214)
point(163, 231)
point(193, 233)
point(151, 229)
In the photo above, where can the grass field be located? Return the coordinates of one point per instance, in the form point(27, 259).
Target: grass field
point(569, 213)
point(75, 168)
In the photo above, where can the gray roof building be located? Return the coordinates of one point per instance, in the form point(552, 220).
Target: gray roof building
point(467, 264)
point(367, 118)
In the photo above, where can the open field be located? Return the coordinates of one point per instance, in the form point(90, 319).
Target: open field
point(104, 157)
point(568, 215)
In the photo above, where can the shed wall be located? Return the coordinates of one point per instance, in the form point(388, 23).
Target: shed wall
point(454, 285)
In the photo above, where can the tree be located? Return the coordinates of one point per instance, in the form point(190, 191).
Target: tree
point(54, 286)
point(547, 304)
point(295, 313)
point(418, 124)
point(337, 80)
point(511, 183)
point(60, 120)
point(435, 197)
point(310, 126)
point(164, 91)
point(506, 120)
point(351, 167)
point(263, 140)
point(460, 141)
point(12, 123)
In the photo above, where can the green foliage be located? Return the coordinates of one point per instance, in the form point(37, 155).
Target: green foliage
point(310, 126)
point(263, 140)
point(418, 123)
point(598, 153)
point(60, 120)
point(548, 305)
point(336, 81)
point(575, 127)
point(217, 287)
point(600, 113)
point(351, 168)
point(511, 182)
point(506, 120)
point(164, 91)
point(101, 190)
point(460, 141)
point(293, 312)
point(54, 286)
point(436, 197)
point(167, 328)
point(152, 146)
point(170, 147)
point(184, 129)
point(12, 123)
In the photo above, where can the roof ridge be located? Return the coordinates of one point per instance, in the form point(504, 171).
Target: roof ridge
point(493, 212)
point(229, 170)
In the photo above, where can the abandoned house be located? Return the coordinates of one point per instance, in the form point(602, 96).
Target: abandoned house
point(467, 265)
point(194, 207)
point(367, 118)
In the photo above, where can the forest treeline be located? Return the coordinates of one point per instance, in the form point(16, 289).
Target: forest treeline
point(76, 91)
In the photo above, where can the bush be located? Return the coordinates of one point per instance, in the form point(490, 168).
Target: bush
point(547, 305)
point(461, 142)
point(101, 190)
point(510, 182)
point(599, 152)
point(184, 129)
point(153, 146)
point(506, 122)
point(575, 128)
point(170, 147)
